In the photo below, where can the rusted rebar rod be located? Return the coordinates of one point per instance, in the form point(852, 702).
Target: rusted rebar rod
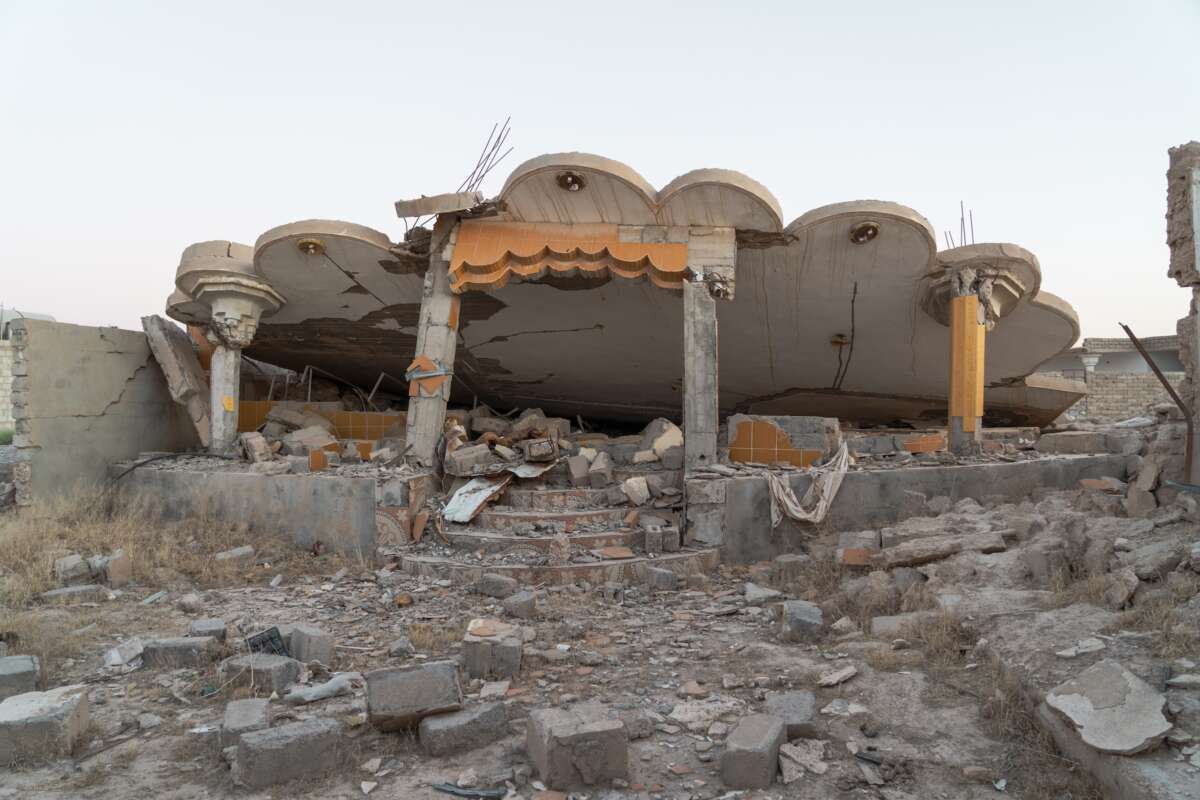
point(1187, 413)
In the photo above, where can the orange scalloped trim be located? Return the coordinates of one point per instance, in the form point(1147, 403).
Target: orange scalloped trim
point(486, 255)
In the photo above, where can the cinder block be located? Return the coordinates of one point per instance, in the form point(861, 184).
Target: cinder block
point(751, 757)
point(399, 698)
point(38, 726)
point(491, 649)
point(309, 749)
point(183, 651)
point(310, 643)
point(800, 621)
point(262, 672)
point(797, 709)
point(578, 745)
point(464, 730)
point(244, 716)
point(19, 674)
point(213, 628)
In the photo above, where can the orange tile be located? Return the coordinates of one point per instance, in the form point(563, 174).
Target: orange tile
point(740, 454)
point(317, 460)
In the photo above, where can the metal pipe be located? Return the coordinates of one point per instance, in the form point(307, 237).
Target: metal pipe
point(1187, 414)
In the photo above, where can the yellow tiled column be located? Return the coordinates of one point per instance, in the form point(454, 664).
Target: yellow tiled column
point(967, 334)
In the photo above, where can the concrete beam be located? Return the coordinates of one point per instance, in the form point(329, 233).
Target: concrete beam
point(224, 386)
point(437, 342)
point(699, 374)
point(438, 204)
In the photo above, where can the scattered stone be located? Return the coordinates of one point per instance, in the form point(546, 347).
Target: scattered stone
point(577, 470)
point(751, 756)
point(1120, 588)
point(113, 570)
point(181, 651)
point(244, 716)
point(211, 627)
point(661, 580)
point(19, 674)
point(241, 556)
point(261, 672)
point(39, 726)
point(400, 697)
point(494, 585)
point(1082, 647)
point(309, 749)
point(1185, 681)
point(1113, 710)
point(148, 722)
point(308, 643)
point(401, 647)
point(803, 754)
point(463, 730)
point(800, 621)
point(797, 710)
point(838, 676)
point(124, 653)
point(1153, 561)
point(758, 595)
point(190, 603)
point(636, 490)
point(577, 745)
point(841, 707)
point(934, 548)
point(340, 684)
point(522, 605)
point(600, 472)
point(72, 570)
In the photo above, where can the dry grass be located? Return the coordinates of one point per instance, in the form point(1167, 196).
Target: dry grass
point(1031, 762)
point(163, 554)
point(436, 638)
point(1157, 612)
point(885, 659)
point(1069, 590)
point(944, 640)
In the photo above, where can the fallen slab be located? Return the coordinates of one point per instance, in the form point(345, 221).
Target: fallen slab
point(463, 730)
point(308, 749)
point(915, 552)
point(1113, 710)
point(39, 726)
point(399, 698)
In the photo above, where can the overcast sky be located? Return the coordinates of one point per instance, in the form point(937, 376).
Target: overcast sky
point(130, 130)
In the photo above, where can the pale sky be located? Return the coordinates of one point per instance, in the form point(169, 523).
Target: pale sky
point(130, 130)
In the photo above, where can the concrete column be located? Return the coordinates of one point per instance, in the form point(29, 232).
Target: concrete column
point(224, 384)
point(437, 342)
point(1089, 364)
point(967, 334)
point(699, 374)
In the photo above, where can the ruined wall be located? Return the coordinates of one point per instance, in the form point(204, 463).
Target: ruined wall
point(82, 398)
point(1114, 396)
point(6, 376)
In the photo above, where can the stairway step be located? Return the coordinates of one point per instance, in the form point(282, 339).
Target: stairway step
point(499, 541)
point(558, 476)
point(552, 499)
point(501, 519)
point(628, 570)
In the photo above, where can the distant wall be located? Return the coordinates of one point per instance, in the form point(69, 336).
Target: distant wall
point(6, 378)
point(1114, 396)
point(82, 398)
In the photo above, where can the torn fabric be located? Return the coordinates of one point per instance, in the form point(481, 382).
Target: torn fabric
point(819, 497)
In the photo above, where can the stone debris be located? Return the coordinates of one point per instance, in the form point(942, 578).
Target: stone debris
point(751, 757)
point(308, 643)
point(522, 605)
point(838, 676)
point(498, 586)
point(492, 649)
point(399, 698)
point(1082, 647)
point(341, 683)
point(1113, 710)
point(261, 672)
point(579, 745)
point(183, 651)
point(20, 674)
point(244, 716)
point(127, 652)
point(297, 750)
point(802, 755)
point(242, 556)
point(70, 595)
point(213, 628)
point(800, 621)
point(38, 726)
point(797, 709)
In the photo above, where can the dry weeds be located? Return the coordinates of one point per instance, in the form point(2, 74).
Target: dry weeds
point(1068, 590)
point(435, 639)
point(944, 639)
point(164, 554)
point(1157, 612)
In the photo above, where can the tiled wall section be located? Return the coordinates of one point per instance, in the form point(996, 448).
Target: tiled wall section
point(763, 442)
point(366, 425)
point(6, 380)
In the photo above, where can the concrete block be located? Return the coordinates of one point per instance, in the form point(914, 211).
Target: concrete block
point(653, 541)
point(469, 459)
point(797, 710)
point(213, 628)
point(261, 672)
point(577, 470)
point(1073, 442)
point(464, 730)
point(244, 716)
point(19, 674)
point(672, 458)
point(243, 556)
point(600, 471)
point(636, 490)
point(706, 491)
point(800, 621)
point(494, 585)
point(577, 745)
point(309, 643)
point(661, 580)
point(496, 425)
point(39, 726)
point(671, 539)
point(400, 697)
point(309, 749)
point(183, 651)
point(751, 757)
point(491, 649)
point(70, 595)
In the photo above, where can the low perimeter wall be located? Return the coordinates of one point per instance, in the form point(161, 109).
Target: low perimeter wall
point(738, 519)
point(339, 512)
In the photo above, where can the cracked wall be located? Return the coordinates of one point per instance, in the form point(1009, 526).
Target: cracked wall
point(82, 398)
point(6, 375)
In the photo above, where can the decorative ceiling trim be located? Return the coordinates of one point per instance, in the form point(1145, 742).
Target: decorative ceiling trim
point(487, 254)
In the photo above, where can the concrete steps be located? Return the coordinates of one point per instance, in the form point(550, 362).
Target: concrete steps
point(473, 540)
point(552, 498)
point(629, 570)
point(506, 519)
point(558, 476)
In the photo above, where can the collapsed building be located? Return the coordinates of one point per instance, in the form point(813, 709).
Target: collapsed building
point(586, 385)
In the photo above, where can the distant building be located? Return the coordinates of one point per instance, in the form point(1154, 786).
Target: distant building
point(7, 315)
point(1120, 382)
